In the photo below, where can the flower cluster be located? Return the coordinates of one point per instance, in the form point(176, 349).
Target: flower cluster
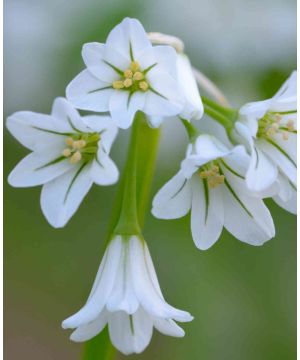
point(221, 185)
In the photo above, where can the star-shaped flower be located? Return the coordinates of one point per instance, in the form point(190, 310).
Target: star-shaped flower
point(211, 183)
point(69, 154)
point(127, 74)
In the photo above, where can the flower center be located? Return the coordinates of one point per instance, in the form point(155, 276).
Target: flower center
point(270, 125)
point(211, 173)
point(81, 146)
point(133, 79)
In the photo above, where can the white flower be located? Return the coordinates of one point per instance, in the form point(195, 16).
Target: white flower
point(127, 296)
point(211, 183)
point(69, 154)
point(127, 74)
point(269, 130)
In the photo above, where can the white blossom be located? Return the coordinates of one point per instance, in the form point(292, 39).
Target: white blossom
point(126, 296)
point(269, 130)
point(69, 154)
point(211, 184)
point(127, 74)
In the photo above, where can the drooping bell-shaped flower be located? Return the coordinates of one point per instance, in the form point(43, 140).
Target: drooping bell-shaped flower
point(126, 295)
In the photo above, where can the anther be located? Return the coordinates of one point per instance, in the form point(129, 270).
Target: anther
point(128, 73)
point(144, 85)
point(138, 76)
point(134, 66)
point(118, 84)
point(290, 125)
point(75, 158)
point(69, 141)
point(79, 144)
point(127, 83)
point(285, 135)
point(66, 152)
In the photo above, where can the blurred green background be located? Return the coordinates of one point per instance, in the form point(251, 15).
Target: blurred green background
point(243, 298)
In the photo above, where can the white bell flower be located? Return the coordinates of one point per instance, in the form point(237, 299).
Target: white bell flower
point(126, 296)
point(269, 131)
point(125, 75)
point(211, 184)
point(69, 154)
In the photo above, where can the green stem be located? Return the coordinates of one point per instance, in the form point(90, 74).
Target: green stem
point(226, 111)
point(192, 132)
point(223, 120)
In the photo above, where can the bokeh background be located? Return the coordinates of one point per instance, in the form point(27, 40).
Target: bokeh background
point(243, 298)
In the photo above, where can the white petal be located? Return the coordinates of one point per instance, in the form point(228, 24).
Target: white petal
point(280, 158)
point(123, 296)
point(88, 331)
point(104, 170)
point(123, 107)
point(165, 99)
point(155, 121)
point(164, 58)
point(287, 196)
point(193, 109)
point(61, 197)
point(168, 327)
point(286, 97)
point(207, 216)
point(68, 117)
point(39, 168)
point(103, 61)
point(174, 199)
point(130, 333)
point(102, 287)
point(143, 281)
point(210, 148)
point(246, 218)
point(33, 130)
point(251, 113)
point(86, 92)
point(128, 33)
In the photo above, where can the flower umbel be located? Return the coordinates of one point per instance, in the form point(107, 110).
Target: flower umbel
point(69, 154)
point(126, 295)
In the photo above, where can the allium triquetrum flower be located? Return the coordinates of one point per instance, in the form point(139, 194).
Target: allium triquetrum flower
point(269, 129)
point(211, 184)
point(69, 154)
point(127, 74)
point(126, 296)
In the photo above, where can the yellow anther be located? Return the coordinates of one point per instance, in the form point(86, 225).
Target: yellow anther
point(215, 169)
point(127, 83)
point(285, 135)
point(66, 152)
point(118, 84)
point(278, 118)
point(216, 181)
point(75, 158)
point(79, 144)
point(69, 141)
point(144, 85)
point(128, 73)
point(134, 66)
point(138, 76)
point(290, 125)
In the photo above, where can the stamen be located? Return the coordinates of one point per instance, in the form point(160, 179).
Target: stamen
point(66, 152)
point(118, 84)
point(79, 144)
point(138, 76)
point(127, 83)
point(285, 135)
point(144, 85)
point(128, 73)
point(69, 141)
point(290, 125)
point(75, 158)
point(134, 66)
